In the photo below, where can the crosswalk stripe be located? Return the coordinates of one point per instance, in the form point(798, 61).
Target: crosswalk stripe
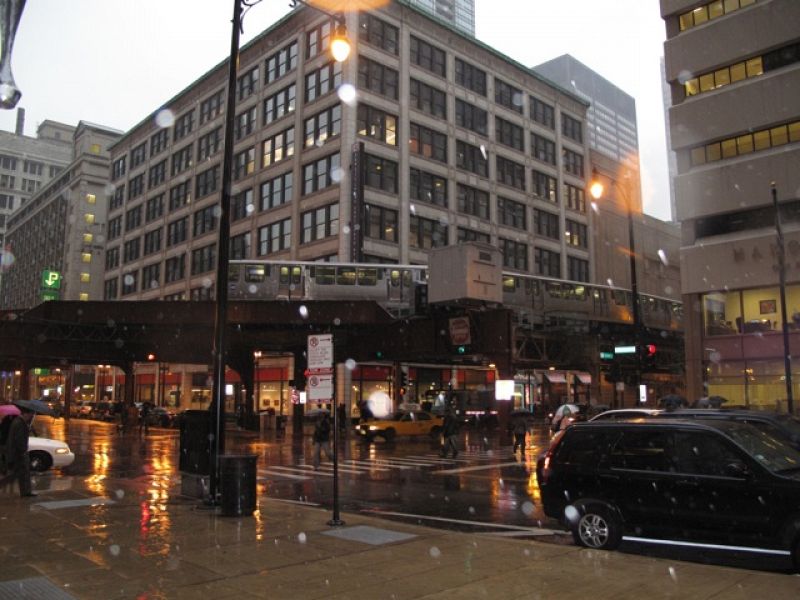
point(375, 465)
point(264, 472)
point(478, 468)
point(301, 470)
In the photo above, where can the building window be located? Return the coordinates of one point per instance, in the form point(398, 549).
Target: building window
point(131, 250)
point(87, 238)
point(710, 10)
point(575, 198)
point(427, 187)
point(747, 143)
point(32, 167)
point(277, 191)
point(543, 149)
point(242, 205)
point(138, 155)
point(324, 80)
point(198, 294)
point(175, 268)
point(507, 95)
point(112, 258)
point(118, 168)
point(572, 128)
point(510, 173)
point(576, 235)
point(152, 241)
point(208, 145)
point(182, 160)
point(151, 277)
point(114, 228)
point(509, 134)
point(240, 246)
point(572, 162)
point(158, 142)
point(426, 233)
point(183, 126)
point(470, 235)
point(515, 254)
point(546, 224)
point(427, 56)
point(380, 173)
point(376, 124)
point(320, 223)
point(180, 195)
point(471, 117)
point(577, 269)
point(244, 163)
point(548, 263)
point(428, 99)
point(542, 113)
point(471, 158)
point(88, 217)
point(381, 223)
point(472, 201)
point(275, 237)
point(427, 142)
point(470, 77)
point(110, 289)
point(323, 125)
point(247, 84)
point(133, 218)
point(157, 174)
point(203, 259)
point(511, 213)
point(211, 107)
point(205, 220)
point(376, 78)
point(280, 103)
point(118, 199)
point(206, 182)
point(278, 147)
point(280, 63)
point(245, 123)
point(376, 32)
point(136, 187)
point(177, 231)
point(545, 187)
point(318, 40)
point(321, 174)
point(91, 199)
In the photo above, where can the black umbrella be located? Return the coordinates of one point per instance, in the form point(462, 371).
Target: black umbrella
point(672, 401)
point(39, 407)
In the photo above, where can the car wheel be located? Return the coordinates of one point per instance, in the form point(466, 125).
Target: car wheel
point(40, 461)
point(389, 434)
point(598, 528)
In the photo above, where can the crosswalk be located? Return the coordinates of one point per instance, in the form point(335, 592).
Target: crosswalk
point(465, 461)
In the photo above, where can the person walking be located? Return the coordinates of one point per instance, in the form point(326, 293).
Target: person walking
point(520, 429)
point(322, 439)
point(341, 417)
point(144, 418)
point(450, 434)
point(16, 452)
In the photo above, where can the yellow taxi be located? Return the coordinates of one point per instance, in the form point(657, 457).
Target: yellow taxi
point(415, 422)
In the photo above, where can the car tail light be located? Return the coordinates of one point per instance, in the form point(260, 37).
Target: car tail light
point(548, 457)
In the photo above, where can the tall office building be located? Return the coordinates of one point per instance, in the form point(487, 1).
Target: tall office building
point(734, 73)
point(459, 13)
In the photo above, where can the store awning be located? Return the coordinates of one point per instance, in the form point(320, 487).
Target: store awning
point(555, 376)
point(583, 377)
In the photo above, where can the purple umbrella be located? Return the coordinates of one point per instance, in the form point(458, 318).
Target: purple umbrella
point(9, 409)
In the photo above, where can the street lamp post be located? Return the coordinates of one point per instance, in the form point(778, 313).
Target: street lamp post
point(787, 356)
point(597, 189)
point(340, 49)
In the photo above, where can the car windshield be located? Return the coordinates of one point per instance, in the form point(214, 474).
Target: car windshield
point(772, 453)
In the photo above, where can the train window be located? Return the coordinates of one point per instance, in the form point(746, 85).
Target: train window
point(509, 283)
point(620, 297)
point(297, 273)
point(400, 277)
point(233, 272)
point(255, 273)
point(324, 275)
point(368, 277)
point(346, 276)
point(532, 287)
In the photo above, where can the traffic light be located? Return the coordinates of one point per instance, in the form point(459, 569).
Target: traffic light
point(650, 350)
point(379, 354)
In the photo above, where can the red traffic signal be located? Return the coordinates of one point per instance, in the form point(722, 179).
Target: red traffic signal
point(651, 349)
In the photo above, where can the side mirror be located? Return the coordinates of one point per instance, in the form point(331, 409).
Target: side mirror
point(737, 469)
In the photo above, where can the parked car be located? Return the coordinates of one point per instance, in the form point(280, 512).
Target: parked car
point(46, 453)
point(780, 425)
point(710, 482)
point(401, 423)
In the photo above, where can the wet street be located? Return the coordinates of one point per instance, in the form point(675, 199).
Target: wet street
point(486, 488)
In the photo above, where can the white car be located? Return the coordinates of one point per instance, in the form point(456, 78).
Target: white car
point(46, 453)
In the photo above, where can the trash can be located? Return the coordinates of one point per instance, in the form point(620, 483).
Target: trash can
point(237, 478)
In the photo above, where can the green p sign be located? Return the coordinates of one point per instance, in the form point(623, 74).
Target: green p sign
point(51, 280)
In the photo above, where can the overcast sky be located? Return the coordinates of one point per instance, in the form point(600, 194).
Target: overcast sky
point(114, 62)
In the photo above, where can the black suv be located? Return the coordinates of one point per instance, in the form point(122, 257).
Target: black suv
point(709, 482)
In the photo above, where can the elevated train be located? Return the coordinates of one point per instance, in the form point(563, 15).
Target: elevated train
point(532, 297)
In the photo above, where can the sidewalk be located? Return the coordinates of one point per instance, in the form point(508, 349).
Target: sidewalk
point(102, 538)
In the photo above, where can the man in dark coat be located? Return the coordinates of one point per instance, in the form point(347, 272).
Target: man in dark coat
point(17, 458)
point(322, 439)
point(450, 434)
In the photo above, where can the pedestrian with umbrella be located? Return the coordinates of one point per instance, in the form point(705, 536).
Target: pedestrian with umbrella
point(16, 446)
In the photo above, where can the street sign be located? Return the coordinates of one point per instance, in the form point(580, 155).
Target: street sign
point(320, 387)
point(51, 280)
point(320, 352)
point(606, 356)
point(49, 295)
point(624, 349)
point(459, 331)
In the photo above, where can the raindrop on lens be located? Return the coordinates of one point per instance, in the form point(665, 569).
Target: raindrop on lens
point(303, 310)
point(527, 508)
point(336, 174)
point(347, 93)
point(571, 514)
point(301, 537)
point(114, 550)
point(165, 118)
point(217, 212)
point(252, 288)
point(128, 279)
point(346, 229)
point(337, 321)
point(350, 364)
point(483, 152)
point(663, 256)
point(435, 552)
point(207, 283)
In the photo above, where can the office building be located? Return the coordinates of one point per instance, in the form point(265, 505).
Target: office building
point(734, 73)
point(458, 13)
